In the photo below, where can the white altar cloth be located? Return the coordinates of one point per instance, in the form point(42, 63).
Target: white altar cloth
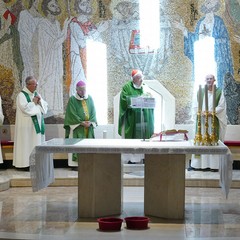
point(41, 160)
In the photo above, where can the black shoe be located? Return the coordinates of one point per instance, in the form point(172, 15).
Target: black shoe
point(214, 170)
point(25, 169)
point(193, 169)
point(206, 169)
point(129, 162)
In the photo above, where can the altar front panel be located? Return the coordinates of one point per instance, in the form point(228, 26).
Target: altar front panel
point(164, 186)
point(99, 185)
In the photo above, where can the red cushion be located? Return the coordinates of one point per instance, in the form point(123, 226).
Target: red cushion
point(7, 143)
point(232, 143)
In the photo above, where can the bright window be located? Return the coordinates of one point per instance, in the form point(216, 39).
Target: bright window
point(149, 11)
point(204, 62)
point(97, 78)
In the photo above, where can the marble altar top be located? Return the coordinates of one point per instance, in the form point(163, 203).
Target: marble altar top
point(128, 146)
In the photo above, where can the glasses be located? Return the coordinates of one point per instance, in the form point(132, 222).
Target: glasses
point(33, 84)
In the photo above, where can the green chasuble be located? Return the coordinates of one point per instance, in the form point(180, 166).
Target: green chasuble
point(218, 96)
point(78, 111)
point(138, 123)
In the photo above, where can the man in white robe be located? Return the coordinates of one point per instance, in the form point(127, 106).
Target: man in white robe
point(211, 162)
point(1, 122)
point(29, 124)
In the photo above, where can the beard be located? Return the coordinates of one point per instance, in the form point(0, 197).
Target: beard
point(55, 13)
point(88, 12)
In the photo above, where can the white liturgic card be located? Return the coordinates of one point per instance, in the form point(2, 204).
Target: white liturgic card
point(142, 102)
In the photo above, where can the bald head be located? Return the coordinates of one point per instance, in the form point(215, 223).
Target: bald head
point(210, 80)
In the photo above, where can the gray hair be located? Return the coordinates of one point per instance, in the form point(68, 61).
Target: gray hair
point(29, 79)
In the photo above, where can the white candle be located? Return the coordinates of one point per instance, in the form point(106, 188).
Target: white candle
point(200, 98)
point(214, 97)
point(206, 98)
point(105, 134)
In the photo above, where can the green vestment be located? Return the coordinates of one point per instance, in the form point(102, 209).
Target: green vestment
point(77, 113)
point(138, 123)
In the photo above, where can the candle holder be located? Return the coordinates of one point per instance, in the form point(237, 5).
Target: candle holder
point(214, 138)
point(198, 136)
point(206, 139)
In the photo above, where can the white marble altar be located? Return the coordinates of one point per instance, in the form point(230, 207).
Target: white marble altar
point(100, 190)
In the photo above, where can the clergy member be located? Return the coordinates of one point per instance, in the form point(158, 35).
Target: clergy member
point(135, 123)
point(80, 118)
point(211, 162)
point(29, 123)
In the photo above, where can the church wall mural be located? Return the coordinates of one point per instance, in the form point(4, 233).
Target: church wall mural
point(47, 39)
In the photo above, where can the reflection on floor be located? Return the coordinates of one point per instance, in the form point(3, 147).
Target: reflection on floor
point(52, 214)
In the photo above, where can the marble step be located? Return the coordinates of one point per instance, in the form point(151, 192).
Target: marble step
point(4, 183)
point(133, 176)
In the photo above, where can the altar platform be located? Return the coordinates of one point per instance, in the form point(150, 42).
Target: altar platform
point(133, 177)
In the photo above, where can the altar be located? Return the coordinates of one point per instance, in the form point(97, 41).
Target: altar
point(100, 173)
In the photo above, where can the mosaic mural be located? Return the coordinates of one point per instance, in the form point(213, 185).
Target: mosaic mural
point(47, 39)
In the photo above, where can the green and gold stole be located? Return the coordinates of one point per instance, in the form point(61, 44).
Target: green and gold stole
point(34, 118)
point(85, 109)
point(218, 96)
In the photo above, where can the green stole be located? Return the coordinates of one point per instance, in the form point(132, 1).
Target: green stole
point(34, 118)
point(218, 96)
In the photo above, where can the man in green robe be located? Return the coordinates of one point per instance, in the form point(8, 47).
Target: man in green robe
point(135, 123)
point(80, 118)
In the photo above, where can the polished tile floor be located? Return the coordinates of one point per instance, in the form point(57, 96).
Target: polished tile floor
point(52, 213)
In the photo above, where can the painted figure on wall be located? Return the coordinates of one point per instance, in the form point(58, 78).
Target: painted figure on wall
point(27, 24)
point(232, 14)
point(125, 40)
point(231, 84)
point(1, 123)
point(213, 26)
point(10, 56)
point(50, 42)
point(232, 95)
point(80, 29)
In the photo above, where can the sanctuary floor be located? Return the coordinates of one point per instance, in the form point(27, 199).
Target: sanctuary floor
point(52, 212)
